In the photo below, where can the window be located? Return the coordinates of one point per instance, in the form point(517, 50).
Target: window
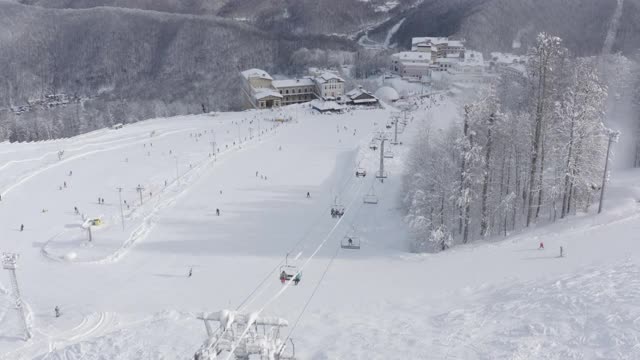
point(287, 91)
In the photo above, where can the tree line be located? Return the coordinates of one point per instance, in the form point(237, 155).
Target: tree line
point(524, 152)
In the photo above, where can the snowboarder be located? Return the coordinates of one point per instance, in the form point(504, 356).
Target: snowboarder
point(190, 272)
point(21, 227)
point(57, 311)
point(541, 247)
point(217, 212)
point(308, 195)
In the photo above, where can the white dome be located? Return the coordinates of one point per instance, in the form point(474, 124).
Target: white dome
point(387, 94)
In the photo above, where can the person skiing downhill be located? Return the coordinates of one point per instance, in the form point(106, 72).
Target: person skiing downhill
point(308, 195)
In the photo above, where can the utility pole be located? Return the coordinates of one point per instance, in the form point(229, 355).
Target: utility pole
point(121, 210)
point(613, 136)
point(139, 189)
point(10, 263)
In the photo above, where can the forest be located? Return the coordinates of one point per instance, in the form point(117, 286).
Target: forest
point(525, 151)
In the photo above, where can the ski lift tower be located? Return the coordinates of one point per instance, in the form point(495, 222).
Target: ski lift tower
point(10, 263)
point(381, 174)
point(243, 337)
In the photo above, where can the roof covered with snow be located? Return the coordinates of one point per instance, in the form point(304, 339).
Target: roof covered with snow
point(412, 56)
point(264, 93)
point(507, 58)
point(293, 82)
point(256, 73)
point(322, 106)
point(325, 77)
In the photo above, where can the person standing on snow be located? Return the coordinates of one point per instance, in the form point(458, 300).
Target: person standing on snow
point(308, 195)
point(541, 247)
point(217, 212)
point(21, 227)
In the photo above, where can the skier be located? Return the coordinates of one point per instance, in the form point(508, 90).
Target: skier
point(256, 173)
point(217, 212)
point(350, 242)
point(57, 311)
point(561, 251)
point(21, 227)
point(283, 276)
point(65, 184)
point(541, 247)
point(75, 208)
point(99, 201)
point(70, 172)
point(308, 195)
point(190, 272)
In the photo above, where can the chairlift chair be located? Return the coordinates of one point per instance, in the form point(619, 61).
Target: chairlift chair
point(373, 145)
point(350, 242)
point(388, 154)
point(289, 272)
point(370, 197)
point(360, 172)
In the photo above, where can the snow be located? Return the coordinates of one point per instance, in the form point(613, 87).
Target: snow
point(387, 94)
point(413, 56)
point(495, 299)
point(293, 82)
point(251, 73)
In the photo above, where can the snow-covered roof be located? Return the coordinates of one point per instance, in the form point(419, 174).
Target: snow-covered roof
point(263, 93)
point(256, 73)
point(293, 82)
point(326, 105)
point(325, 77)
point(355, 93)
point(412, 56)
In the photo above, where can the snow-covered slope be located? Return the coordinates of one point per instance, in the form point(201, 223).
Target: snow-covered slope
point(127, 294)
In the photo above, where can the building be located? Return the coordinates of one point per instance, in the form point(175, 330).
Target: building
point(295, 91)
point(439, 47)
point(329, 86)
point(360, 96)
point(509, 65)
point(412, 64)
point(258, 90)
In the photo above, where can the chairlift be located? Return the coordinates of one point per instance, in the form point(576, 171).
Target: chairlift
point(373, 145)
point(361, 172)
point(370, 197)
point(337, 210)
point(350, 242)
point(388, 154)
point(289, 272)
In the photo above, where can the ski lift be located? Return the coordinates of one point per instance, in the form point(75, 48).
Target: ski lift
point(388, 126)
point(350, 242)
point(388, 154)
point(360, 172)
point(337, 210)
point(289, 272)
point(370, 197)
point(373, 145)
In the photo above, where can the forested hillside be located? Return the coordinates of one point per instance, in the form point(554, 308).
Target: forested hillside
point(125, 65)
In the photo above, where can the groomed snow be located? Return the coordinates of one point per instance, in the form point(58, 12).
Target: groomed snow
point(127, 295)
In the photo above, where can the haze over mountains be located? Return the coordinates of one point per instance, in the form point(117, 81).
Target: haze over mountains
point(135, 59)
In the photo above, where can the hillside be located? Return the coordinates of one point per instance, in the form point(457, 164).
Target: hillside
point(131, 64)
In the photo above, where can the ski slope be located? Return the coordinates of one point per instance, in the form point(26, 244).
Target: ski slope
point(126, 294)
